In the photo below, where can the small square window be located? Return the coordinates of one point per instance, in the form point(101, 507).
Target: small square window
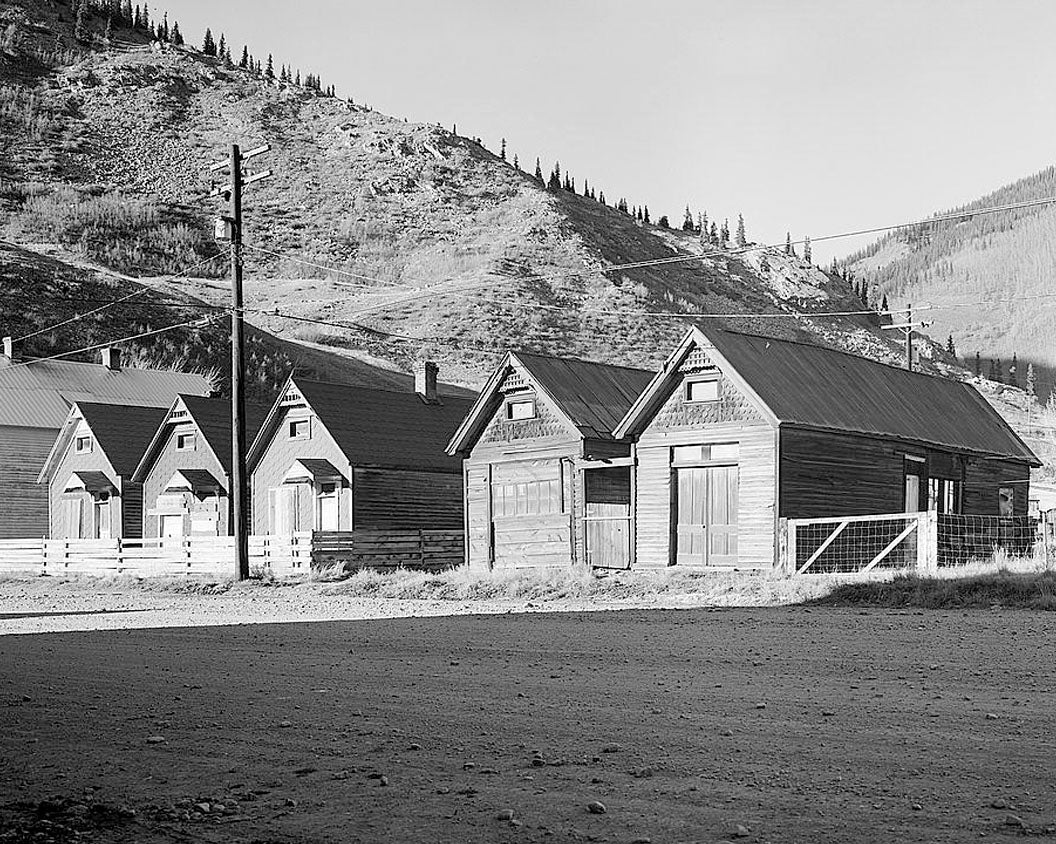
point(520, 409)
point(707, 390)
point(185, 442)
point(82, 444)
point(299, 429)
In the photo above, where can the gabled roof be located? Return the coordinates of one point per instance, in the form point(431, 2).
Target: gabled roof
point(211, 417)
point(376, 427)
point(122, 433)
point(47, 388)
point(810, 386)
point(593, 397)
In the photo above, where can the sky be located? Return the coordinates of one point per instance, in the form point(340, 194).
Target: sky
point(813, 117)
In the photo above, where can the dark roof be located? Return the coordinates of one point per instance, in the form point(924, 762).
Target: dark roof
point(92, 481)
point(198, 479)
point(809, 385)
point(213, 418)
point(319, 467)
point(123, 432)
point(386, 428)
point(595, 396)
point(47, 388)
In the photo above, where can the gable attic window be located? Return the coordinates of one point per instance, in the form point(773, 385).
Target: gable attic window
point(82, 444)
point(185, 442)
point(299, 429)
point(520, 408)
point(702, 390)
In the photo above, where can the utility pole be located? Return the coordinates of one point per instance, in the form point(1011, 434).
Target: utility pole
point(230, 228)
point(908, 327)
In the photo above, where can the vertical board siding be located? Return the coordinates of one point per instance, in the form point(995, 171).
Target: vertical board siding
point(277, 457)
point(170, 460)
point(403, 498)
point(23, 502)
point(734, 418)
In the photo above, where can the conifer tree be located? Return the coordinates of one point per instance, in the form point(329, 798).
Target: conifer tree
point(951, 349)
point(997, 372)
point(297, 81)
point(1013, 372)
point(502, 150)
point(177, 36)
point(244, 61)
point(592, 195)
point(713, 234)
point(145, 20)
point(80, 31)
point(165, 32)
point(137, 19)
point(687, 220)
point(601, 198)
point(127, 17)
point(108, 32)
point(538, 171)
point(221, 46)
point(516, 163)
point(571, 184)
point(269, 69)
point(724, 232)
point(1032, 382)
point(208, 45)
point(978, 368)
point(788, 244)
point(586, 189)
point(663, 222)
point(702, 226)
point(741, 237)
point(806, 249)
point(883, 304)
point(645, 215)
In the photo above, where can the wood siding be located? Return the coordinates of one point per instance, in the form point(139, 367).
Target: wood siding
point(277, 458)
point(733, 418)
point(392, 498)
point(61, 522)
point(826, 474)
point(23, 502)
point(170, 460)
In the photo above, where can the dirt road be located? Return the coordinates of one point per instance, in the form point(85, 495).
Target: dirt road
point(761, 725)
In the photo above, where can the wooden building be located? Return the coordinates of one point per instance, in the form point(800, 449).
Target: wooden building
point(546, 482)
point(186, 469)
point(35, 399)
point(737, 431)
point(333, 457)
point(88, 473)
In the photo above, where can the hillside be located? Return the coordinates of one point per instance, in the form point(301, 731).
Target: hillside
point(105, 153)
point(995, 271)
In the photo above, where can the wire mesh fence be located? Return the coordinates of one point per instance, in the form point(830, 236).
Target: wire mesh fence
point(910, 541)
point(965, 539)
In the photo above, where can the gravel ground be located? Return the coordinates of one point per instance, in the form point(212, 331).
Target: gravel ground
point(781, 724)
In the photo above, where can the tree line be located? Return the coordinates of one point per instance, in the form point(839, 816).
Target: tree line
point(124, 15)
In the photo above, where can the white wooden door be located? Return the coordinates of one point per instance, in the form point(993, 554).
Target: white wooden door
point(707, 516)
point(170, 526)
point(328, 507)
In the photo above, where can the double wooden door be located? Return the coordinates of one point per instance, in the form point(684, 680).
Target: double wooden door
point(706, 516)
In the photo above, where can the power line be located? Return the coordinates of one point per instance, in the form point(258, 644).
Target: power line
point(323, 267)
point(198, 322)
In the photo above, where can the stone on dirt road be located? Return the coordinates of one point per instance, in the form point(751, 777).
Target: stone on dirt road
point(596, 808)
point(740, 831)
point(611, 747)
point(505, 815)
point(155, 739)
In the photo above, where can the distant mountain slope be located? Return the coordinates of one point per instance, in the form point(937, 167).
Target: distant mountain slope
point(997, 271)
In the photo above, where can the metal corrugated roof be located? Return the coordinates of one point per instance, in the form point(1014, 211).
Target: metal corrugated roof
point(594, 396)
point(44, 384)
point(809, 385)
point(385, 428)
point(33, 408)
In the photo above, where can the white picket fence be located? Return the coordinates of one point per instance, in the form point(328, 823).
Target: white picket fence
point(205, 556)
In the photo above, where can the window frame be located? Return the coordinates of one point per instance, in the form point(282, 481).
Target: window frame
point(293, 428)
point(183, 439)
point(520, 401)
point(86, 439)
point(690, 383)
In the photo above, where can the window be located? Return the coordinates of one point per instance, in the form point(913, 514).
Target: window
point(689, 455)
point(1006, 501)
point(299, 429)
point(526, 498)
point(520, 408)
point(82, 444)
point(944, 495)
point(702, 390)
point(185, 442)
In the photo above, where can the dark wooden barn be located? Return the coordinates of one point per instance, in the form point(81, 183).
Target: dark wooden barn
point(186, 469)
point(738, 431)
point(546, 482)
point(91, 493)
